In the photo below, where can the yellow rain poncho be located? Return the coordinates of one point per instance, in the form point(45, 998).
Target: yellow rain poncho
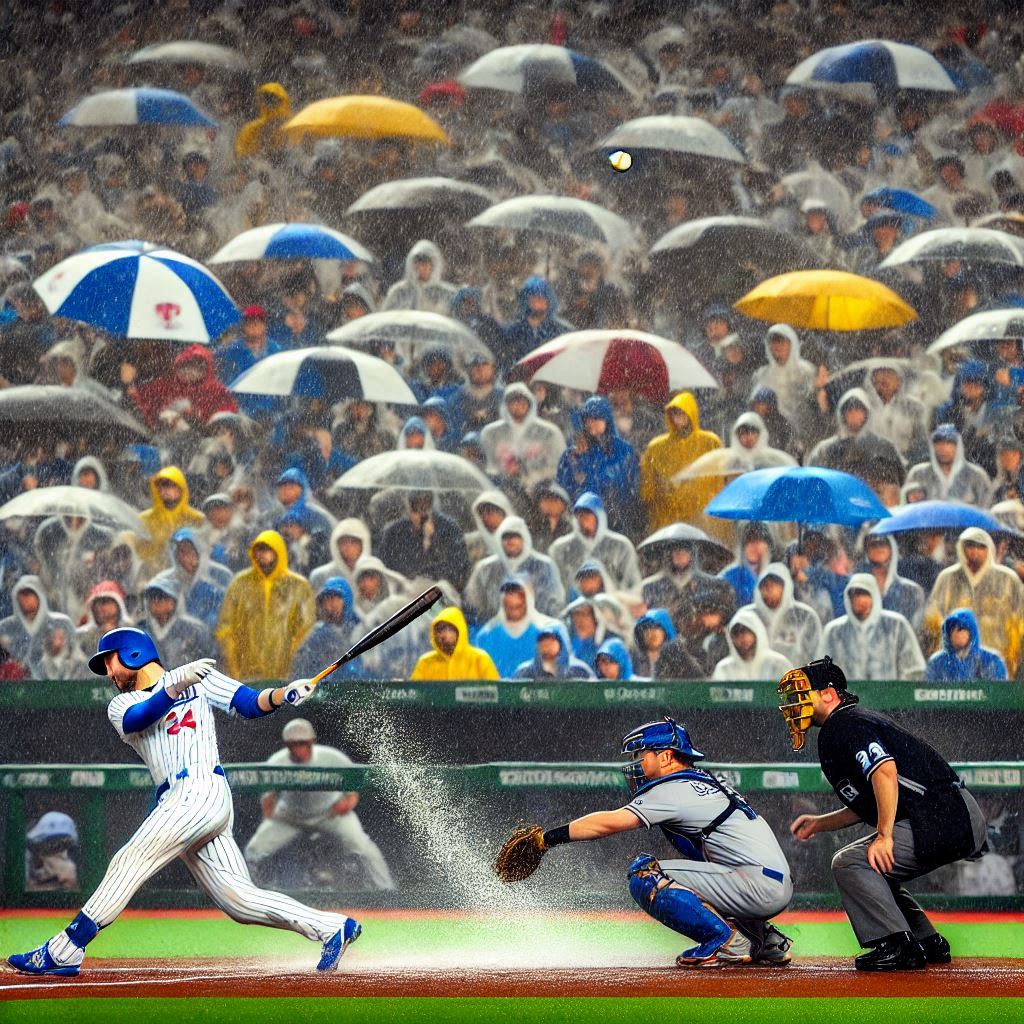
point(162, 521)
point(465, 662)
point(263, 135)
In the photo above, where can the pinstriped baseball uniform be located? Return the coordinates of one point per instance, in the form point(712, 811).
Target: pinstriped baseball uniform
point(193, 818)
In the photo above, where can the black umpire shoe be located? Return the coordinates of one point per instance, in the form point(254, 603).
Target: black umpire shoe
point(899, 952)
point(936, 949)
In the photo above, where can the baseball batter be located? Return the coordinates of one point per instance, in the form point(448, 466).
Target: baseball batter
point(291, 814)
point(733, 876)
point(167, 718)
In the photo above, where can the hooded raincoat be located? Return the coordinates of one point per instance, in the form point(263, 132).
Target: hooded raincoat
point(202, 592)
point(608, 615)
point(194, 401)
point(864, 453)
point(535, 444)
point(65, 663)
point(70, 557)
point(565, 666)
point(465, 662)
point(337, 566)
point(433, 295)
point(23, 637)
point(481, 542)
point(964, 482)
point(617, 651)
point(161, 521)
point(520, 336)
point(328, 640)
point(614, 551)
point(393, 585)
point(766, 664)
point(972, 663)
point(898, 593)
point(881, 647)
point(181, 638)
point(90, 632)
point(263, 135)
point(792, 381)
point(511, 643)
point(793, 629)
point(674, 660)
point(902, 419)
point(995, 595)
point(666, 500)
point(265, 617)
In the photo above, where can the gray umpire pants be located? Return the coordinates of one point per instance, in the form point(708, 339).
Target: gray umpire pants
point(878, 905)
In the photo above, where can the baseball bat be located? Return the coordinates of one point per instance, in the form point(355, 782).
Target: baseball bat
point(387, 629)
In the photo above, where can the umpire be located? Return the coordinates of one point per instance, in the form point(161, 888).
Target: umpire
point(922, 815)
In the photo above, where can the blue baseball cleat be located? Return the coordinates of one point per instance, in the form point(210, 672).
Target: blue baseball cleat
point(336, 945)
point(39, 961)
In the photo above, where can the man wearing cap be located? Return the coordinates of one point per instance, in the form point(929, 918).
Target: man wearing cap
point(293, 814)
point(947, 475)
point(48, 848)
point(245, 350)
point(900, 786)
point(478, 401)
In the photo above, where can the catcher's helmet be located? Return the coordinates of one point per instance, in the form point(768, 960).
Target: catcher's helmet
point(663, 735)
point(134, 647)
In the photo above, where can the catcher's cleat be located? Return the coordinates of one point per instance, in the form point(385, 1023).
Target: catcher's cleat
point(38, 961)
point(734, 952)
point(936, 949)
point(769, 946)
point(336, 945)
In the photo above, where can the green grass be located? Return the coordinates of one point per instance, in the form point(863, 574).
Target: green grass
point(391, 938)
point(521, 1011)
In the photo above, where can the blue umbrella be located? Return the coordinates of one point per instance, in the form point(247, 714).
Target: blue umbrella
point(901, 200)
point(881, 63)
point(298, 241)
point(939, 515)
point(135, 106)
point(798, 494)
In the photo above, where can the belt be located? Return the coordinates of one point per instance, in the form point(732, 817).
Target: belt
point(166, 784)
point(772, 873)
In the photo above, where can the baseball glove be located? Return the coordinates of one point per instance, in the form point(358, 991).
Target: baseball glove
point(521, 854)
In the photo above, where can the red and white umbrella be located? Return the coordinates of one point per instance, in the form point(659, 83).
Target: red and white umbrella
point(613, 360)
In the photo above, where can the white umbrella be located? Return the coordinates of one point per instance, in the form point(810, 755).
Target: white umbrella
point(413, 470)
point(988, 327)
point(508, 68)
point(558, 215)
point(817, 183)
point(884, 65)
point(333, 374)
point(190, 51)
point(971, 245)
point(98, 506)
point(673, 134)
point(408, 329)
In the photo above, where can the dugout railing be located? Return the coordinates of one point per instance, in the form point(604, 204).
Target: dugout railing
point(471, 807)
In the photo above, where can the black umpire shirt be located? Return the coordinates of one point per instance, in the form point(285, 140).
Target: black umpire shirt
point(854, 742)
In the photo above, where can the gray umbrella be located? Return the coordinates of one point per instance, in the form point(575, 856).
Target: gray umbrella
point(409, 330)
point(674, 134)
point(458, 200)
point(67, 413)
point(558, 215)
point(970, 245)
point(101, 508)
point(413, 470)
point(190, 51)
point(712, 555)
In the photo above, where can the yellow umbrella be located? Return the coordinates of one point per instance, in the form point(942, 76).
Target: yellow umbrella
point(364, 117)
point(826, 300)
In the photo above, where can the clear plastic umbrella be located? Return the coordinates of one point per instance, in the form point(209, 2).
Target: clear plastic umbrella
point(712, 554)
point(674, 134)
point(101, 508)
point(190, 51)
point(413, 470)
point(409, 330)
point(457, 200)
point(970, 245)
point(989, 327)
point(727, 462)
point(66, 413)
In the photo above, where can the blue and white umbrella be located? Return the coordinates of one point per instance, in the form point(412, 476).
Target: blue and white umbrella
point(509, 67)
point(135, 106)
point(157, 294)
point(291, 242)
point(885, 65)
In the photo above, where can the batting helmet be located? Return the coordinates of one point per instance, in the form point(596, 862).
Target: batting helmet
point(663, 735)
point(134, 647)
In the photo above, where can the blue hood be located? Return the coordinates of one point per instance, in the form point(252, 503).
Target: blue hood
point(971, 369)
point(597, 407)
point(655, 617)
point(414, 423)
point(615, 649)
point(559, 630)
point(537, 286)
point(962, 618)
point(339, 586)
point(299, 513)
point(466, 292)
point(442, 408)
point(295, 476)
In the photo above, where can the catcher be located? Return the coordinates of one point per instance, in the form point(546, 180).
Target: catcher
point(733, 876)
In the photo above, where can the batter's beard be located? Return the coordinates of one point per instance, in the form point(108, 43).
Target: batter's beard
point(126, 686)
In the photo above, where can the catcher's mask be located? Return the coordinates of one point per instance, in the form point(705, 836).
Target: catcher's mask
point(663, 735)
point(796, 686)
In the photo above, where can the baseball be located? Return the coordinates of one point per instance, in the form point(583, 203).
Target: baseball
point(620, 160)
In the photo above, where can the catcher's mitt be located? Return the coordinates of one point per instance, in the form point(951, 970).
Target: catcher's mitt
point(521, 854)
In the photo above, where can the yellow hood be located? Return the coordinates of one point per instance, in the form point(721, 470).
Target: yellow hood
point(273, 540)
point(274, 101)
point(685, 402)
point(175, 476)
point(453, 617)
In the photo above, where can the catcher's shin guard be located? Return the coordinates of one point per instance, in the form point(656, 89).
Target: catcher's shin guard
point(678, 908)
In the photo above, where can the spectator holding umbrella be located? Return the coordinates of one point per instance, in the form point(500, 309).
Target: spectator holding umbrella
point(186, 397)
point(962, 658)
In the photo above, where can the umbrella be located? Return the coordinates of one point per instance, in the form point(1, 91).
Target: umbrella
point(728, 462)
point(333, 374)
point(609, 360)
point(101, 508)
point(1011, 223)
point(455, 200)
point(712, 554)
point(364, 117)
point(67, 412)
point(509, 68)
point(409, 329)
point(557, 215)
point(413, 470)
point(826, 300)
point(670, 35)
point(901, 200)
point(189, 51)
point(135, 106)
point(885, 65)
point(991, 326)
point(798, 494)
point(671, 133)
point(970, 245)
point(817, 183)
point(139, 294)
point(291, 242)
point(707, 244)
point(939, 515)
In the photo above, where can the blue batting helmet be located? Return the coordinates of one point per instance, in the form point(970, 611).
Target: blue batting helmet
point(134, 647)
point(663, 735)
